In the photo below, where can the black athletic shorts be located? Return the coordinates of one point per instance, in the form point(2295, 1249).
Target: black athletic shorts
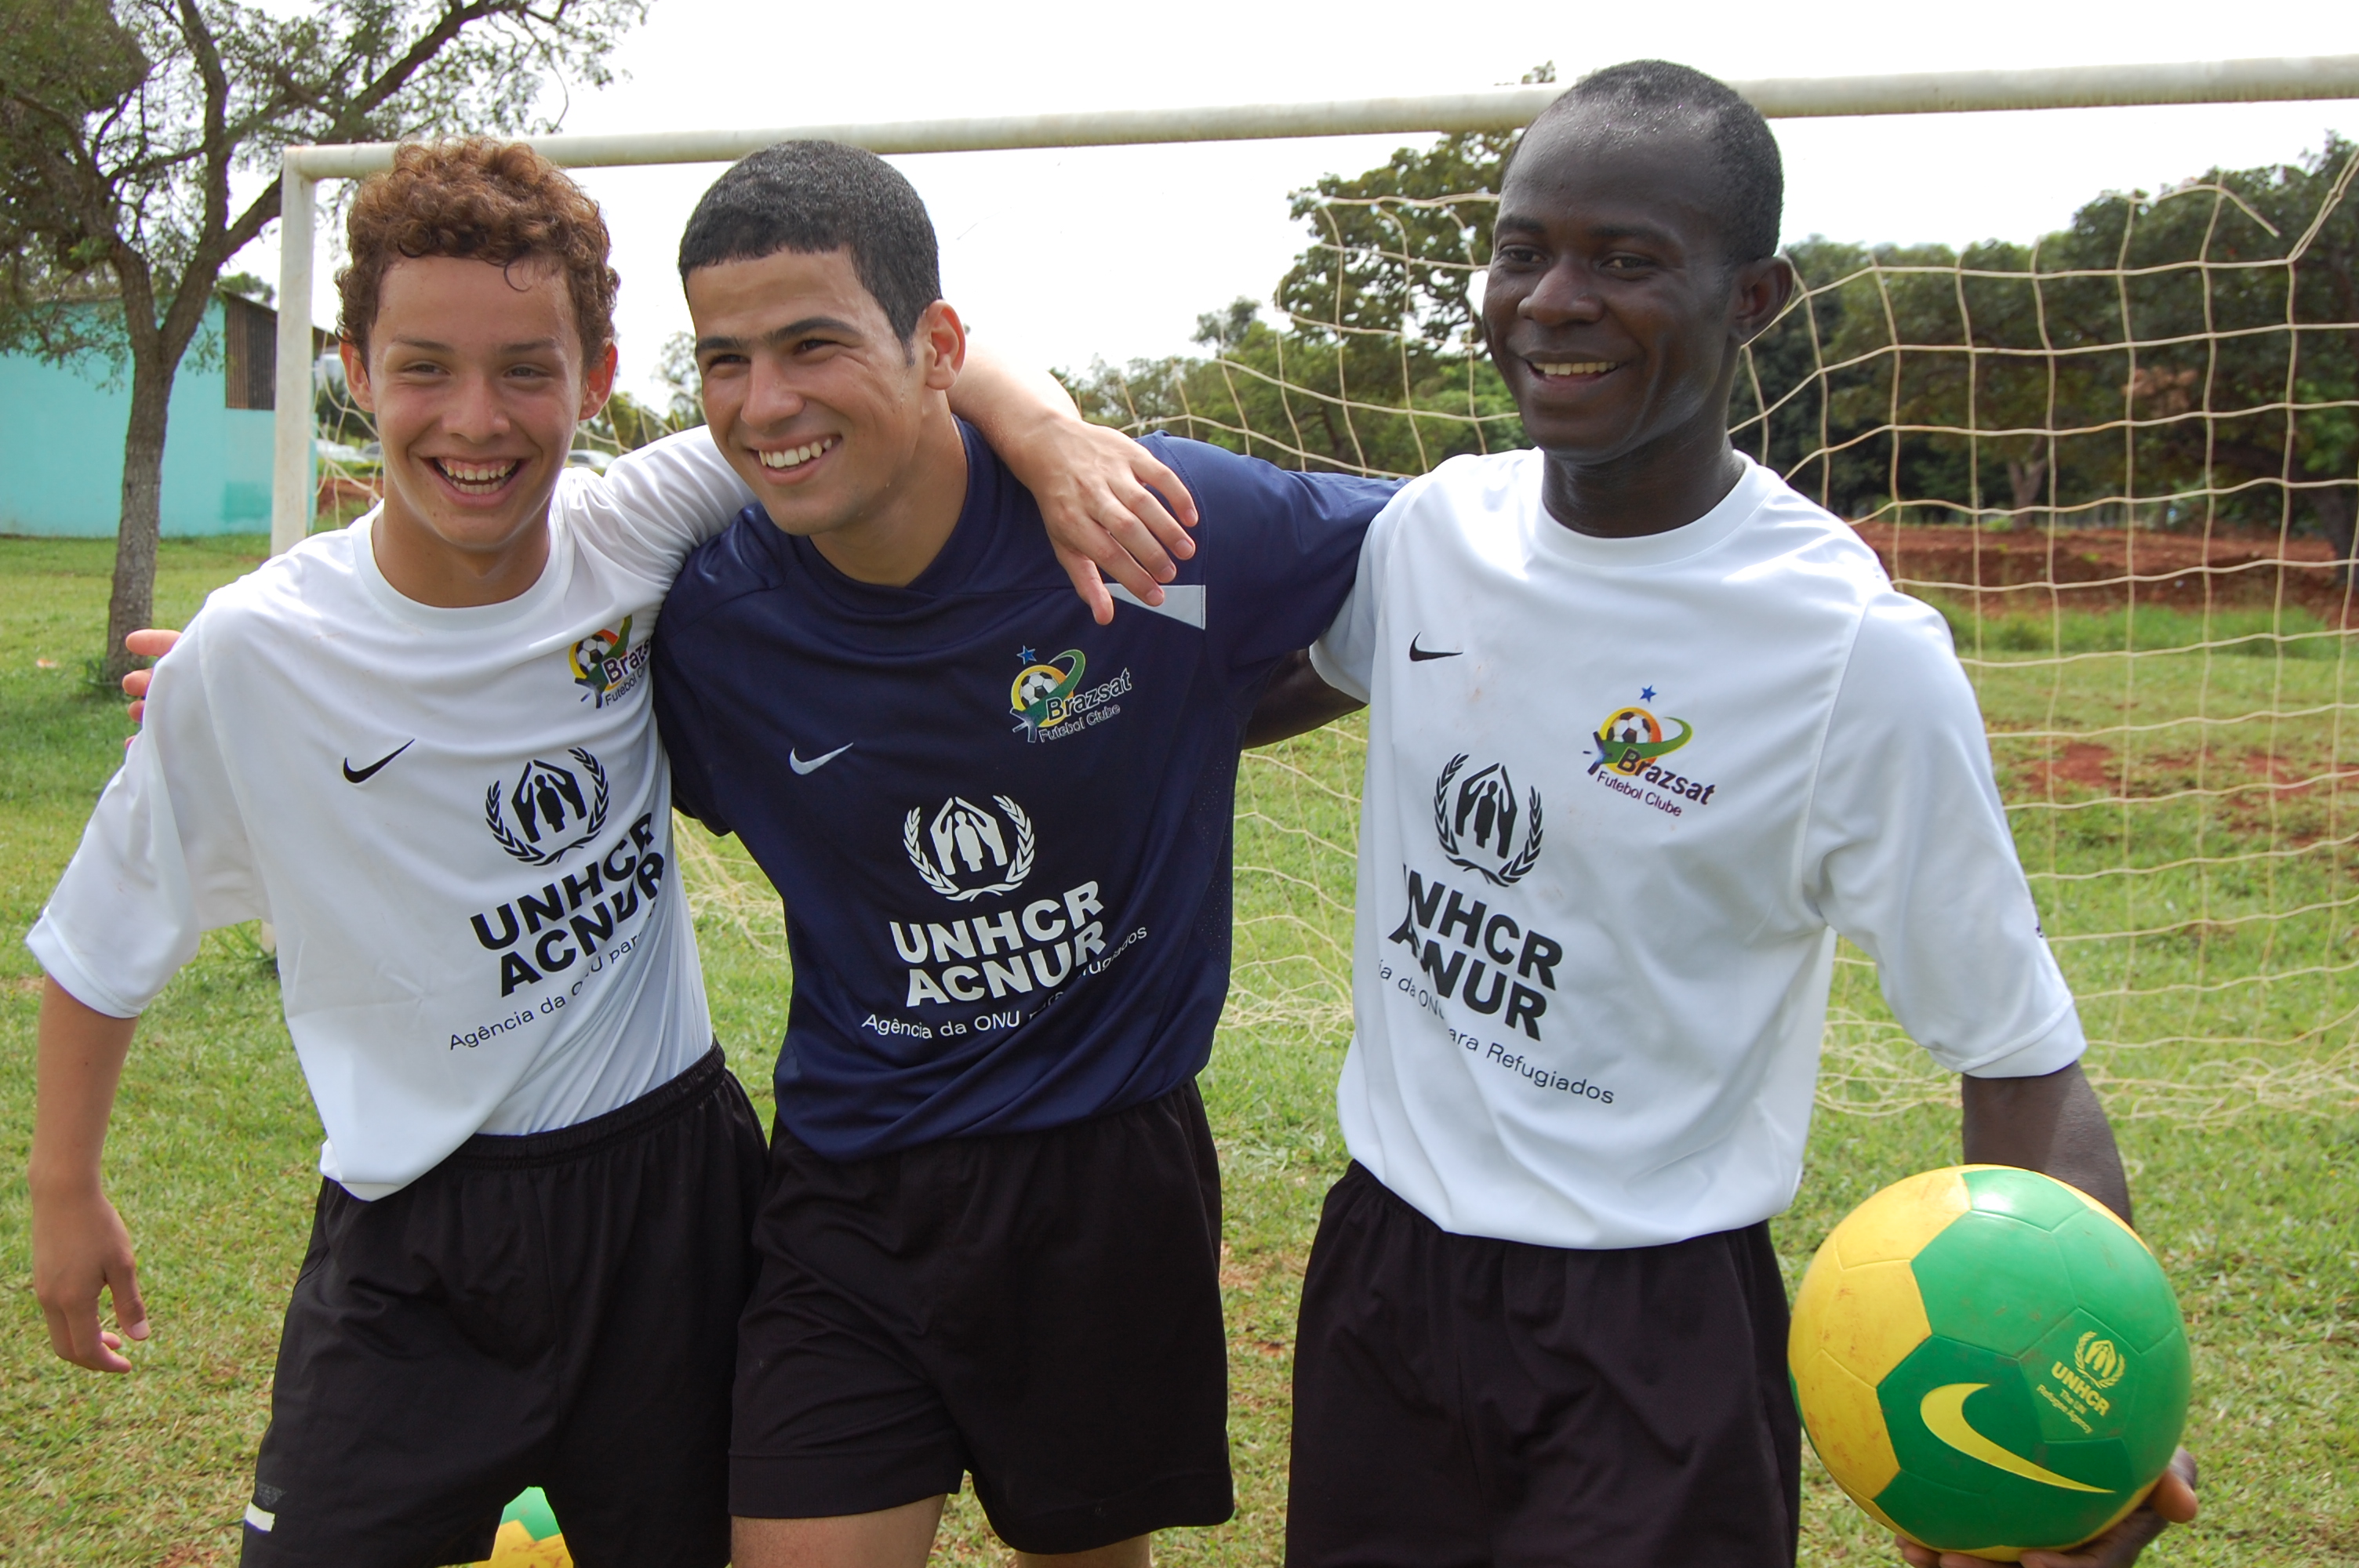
point(1040, 1309)
point(556, 1310)
point(1464, 1402)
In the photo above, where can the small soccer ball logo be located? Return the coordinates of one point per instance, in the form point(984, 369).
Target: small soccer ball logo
point(1631, 726)
point(1989, 1361)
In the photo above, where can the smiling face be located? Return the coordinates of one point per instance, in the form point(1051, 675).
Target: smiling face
point(825, 412)
point(476, 375)
point(1610, 306)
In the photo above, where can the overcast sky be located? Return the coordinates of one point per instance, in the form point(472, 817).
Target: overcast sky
point(1067, 256)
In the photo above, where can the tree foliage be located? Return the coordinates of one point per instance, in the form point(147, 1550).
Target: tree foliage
point(125, 125)
point(2193, 355)
point(1379, 367)
point(2188, 357)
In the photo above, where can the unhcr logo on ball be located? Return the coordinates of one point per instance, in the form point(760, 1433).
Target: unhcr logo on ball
point(2098, 1360)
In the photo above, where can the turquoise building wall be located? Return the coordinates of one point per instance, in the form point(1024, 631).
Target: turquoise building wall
point(61, 446)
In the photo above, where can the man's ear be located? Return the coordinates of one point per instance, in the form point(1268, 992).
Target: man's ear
point(598, 383)
point(357, 377)
point(1760, 292)
point(940, 341)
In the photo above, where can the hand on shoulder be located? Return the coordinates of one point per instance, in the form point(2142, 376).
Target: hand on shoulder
point(1109, 505)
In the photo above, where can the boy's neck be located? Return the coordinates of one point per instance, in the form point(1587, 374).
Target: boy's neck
point(901, 535)
point(1665, 485)
point(421, 566)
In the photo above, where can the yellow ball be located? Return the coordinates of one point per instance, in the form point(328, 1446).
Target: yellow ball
point(1988, 1360)
point(528, 1535)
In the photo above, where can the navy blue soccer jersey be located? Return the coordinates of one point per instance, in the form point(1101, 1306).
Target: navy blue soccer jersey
point(1002, 831)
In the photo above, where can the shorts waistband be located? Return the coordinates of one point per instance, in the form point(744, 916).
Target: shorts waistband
point(1361, 1178)
point(510, 1151)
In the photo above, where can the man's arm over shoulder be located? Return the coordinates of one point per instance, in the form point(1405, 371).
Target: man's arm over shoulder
point(1336, 674)
point(654, 506)
point(1279, 547)
point(680, 722)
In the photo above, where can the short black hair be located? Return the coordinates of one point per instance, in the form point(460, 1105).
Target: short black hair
point(1658, 95)
point(815, 196)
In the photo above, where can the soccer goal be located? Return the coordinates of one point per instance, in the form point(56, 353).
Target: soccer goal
point(2121, 458)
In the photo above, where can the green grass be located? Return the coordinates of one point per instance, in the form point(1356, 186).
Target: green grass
point(2254, 631)
point(2242, 1155)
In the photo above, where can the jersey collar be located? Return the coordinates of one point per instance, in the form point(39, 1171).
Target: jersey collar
point(545, 589)
point(953, 568)
point(1554, 538)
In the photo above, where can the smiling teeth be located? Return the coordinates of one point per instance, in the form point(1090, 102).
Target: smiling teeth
point(1586, 367)
point(476, 479)
point(795, 457)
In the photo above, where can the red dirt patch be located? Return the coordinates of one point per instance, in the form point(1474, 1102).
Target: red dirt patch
point(2083, 764)
point(2098, 569)
point(2295, 777)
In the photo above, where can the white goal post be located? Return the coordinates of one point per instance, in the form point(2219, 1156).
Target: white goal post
point(1498, 110)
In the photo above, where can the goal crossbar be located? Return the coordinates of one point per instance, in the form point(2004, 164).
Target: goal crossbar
point(1497, 110)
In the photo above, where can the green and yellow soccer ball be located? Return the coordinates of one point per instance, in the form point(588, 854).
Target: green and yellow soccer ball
point(1989, 1361)
point(529, 1536)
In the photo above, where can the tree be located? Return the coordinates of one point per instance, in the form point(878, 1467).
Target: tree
point(122, 122)
point(675, 368)
point(2195, 352)
point(1379, 367)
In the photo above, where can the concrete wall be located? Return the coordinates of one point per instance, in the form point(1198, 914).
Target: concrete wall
point(61, 446)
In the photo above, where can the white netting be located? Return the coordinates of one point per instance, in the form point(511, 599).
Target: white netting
point(2122, 460)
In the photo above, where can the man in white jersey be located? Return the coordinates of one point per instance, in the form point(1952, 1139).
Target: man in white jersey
point(1648, 729)
point(424, 747)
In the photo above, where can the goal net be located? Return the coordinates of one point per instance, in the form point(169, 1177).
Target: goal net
point(2122, 460)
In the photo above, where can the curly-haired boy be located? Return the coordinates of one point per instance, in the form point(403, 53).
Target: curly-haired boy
point(424, 747)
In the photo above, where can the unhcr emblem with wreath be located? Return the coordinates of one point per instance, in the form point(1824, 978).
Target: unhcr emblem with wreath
point(1477, 822)
point(968, 841)
point(553, 817)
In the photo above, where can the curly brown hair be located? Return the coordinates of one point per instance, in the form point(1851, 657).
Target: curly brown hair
point(484, 200)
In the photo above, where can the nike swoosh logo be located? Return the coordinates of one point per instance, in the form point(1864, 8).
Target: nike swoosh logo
point(817, 762)
point(363, 775)
point(1944, 1410)
point(1417, 655)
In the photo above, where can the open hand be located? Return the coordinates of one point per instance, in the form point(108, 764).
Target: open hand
point(2172, 1501)
point(81, 1247)
point(1109, 506)
point(153, 643)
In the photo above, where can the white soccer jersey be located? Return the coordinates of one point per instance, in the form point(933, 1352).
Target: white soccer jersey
point(459, 821)
point(1620, 796)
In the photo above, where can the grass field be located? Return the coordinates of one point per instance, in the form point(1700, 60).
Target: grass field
point(2243, 1136)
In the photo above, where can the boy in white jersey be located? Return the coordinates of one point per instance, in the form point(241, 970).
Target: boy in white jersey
point(424, 747)
point(1647, 730)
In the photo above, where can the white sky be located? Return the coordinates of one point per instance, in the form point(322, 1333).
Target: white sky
point(1064, 256)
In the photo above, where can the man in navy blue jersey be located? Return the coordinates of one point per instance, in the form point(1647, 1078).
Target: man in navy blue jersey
point(991, 1234)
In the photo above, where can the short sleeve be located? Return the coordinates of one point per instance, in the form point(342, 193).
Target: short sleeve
point(1345, 653)
point(1278, 549)
point(654, 505)
point(680, 720)
point(1908, 854)
point(164, 858)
